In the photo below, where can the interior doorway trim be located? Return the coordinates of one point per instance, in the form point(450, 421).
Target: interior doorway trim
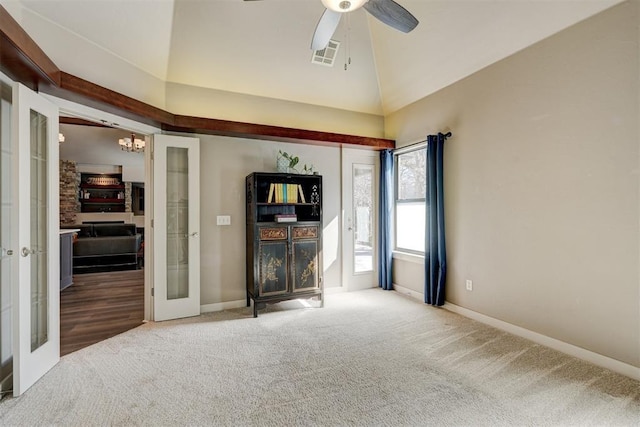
point(73, 109)
point(80, 111)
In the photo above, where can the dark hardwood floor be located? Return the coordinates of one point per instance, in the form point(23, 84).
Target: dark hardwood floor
point(98, 306)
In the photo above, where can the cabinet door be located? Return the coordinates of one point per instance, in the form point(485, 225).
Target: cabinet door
point(305, 258)
point(273, 267)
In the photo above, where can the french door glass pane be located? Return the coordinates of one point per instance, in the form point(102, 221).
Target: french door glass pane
point(6, 235)
point(39, 240)
point(177, 223)
point(363, 228)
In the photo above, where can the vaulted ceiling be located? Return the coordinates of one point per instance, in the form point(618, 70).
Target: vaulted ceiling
point(262, 47)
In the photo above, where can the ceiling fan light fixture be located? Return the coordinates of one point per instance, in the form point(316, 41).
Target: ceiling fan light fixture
point(343, 5)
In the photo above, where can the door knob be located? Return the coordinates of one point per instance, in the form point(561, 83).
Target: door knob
point(26, 252)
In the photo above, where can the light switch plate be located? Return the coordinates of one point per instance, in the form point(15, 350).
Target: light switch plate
point(223, 219)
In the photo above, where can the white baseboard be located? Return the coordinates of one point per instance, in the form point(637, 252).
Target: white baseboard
point(570, 349)
point(335, 290)
point(411, 293)
point(219, 306)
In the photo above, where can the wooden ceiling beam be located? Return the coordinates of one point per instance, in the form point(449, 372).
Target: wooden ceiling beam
point(84, 92)
point(273, 133)
point(22, 60)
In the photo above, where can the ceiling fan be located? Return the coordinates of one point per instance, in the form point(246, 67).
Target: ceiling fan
point(386, 11)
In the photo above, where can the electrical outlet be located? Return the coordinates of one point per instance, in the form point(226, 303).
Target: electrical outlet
point(223, 220)
point(469, 285)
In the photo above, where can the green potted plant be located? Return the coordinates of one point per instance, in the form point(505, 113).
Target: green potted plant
point(286, 162)
point(308, 170)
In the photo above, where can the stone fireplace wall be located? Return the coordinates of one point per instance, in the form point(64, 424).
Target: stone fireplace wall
point(127, 197)
point(69, 188)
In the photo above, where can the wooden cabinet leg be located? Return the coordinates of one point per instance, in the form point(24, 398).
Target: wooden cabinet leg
point(255, 309)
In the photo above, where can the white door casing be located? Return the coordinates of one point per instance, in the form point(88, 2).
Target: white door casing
point(36, 289)
point(176, 227)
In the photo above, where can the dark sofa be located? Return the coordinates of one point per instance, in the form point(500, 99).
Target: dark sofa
point(105, 247)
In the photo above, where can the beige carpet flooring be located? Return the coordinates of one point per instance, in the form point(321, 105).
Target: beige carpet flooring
point(367, 358)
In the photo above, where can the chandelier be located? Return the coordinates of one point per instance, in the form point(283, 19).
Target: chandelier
point(132, 145)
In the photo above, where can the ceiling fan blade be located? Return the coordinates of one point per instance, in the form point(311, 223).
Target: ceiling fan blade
point(324, 30)
point(392, 14)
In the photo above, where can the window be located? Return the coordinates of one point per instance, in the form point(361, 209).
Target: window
point(410, 200)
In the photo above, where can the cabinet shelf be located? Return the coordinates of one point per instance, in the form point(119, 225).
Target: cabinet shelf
point(283, 204)
point(94, 196)
point(105, 200)
point(102, 187)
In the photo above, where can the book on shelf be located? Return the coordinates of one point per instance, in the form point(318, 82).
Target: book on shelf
point(285, 217)
point(272, 189)
point(285, 193)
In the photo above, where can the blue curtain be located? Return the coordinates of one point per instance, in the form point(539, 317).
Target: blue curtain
point(385, 221)
point(435, 257)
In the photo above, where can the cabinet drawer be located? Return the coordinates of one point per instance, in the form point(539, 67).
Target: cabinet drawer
point(309, 232)
point(273, 233)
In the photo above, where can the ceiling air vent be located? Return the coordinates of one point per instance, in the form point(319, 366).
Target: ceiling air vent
point(326, 56)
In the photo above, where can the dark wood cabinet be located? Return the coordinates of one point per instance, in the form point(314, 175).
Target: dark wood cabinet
point(101, 193)
point(284, 238)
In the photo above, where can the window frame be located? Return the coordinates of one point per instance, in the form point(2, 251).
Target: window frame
point(397, 200)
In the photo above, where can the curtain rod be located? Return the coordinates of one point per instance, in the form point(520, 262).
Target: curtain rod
point(414, 145)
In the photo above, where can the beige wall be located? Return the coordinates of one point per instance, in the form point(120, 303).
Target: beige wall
point(542, 186)
point(203, 102)
point(224, 164)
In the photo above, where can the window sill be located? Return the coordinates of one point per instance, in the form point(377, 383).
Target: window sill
point(405, 256)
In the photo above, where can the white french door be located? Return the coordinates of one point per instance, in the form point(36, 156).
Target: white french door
point(36, 286)
point(360, 212)
point(176, 227)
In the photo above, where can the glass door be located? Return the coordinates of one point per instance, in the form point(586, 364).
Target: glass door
point(360, 184)
point(7, 239)
point(36, 298)
point(176, 225)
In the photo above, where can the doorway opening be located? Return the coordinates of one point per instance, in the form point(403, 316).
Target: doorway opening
point(102, 208)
